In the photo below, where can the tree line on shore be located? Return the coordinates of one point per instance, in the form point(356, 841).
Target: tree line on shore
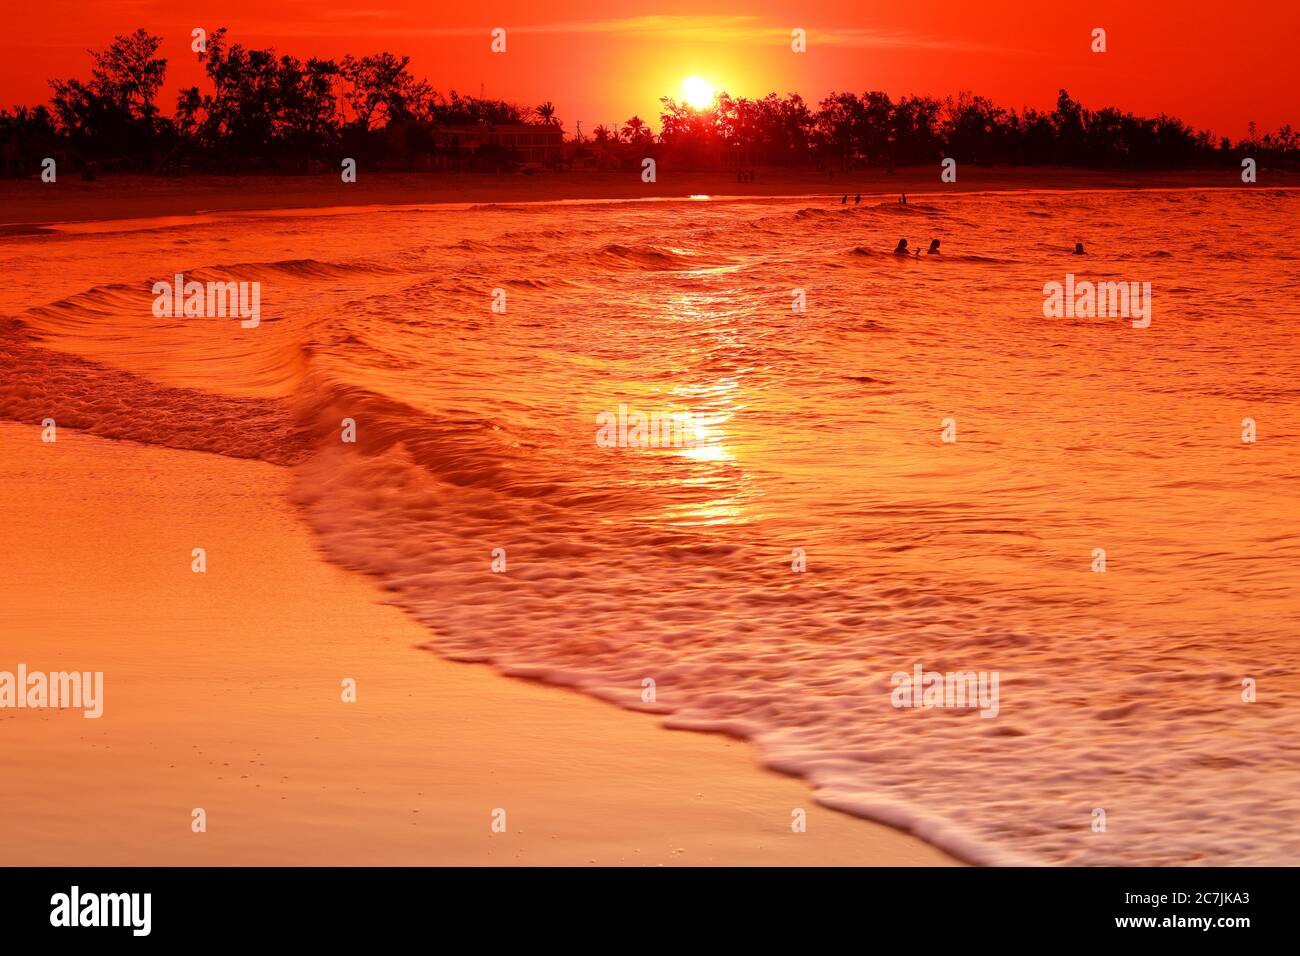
point(268, 112)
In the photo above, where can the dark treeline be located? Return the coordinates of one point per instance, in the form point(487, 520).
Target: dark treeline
point(849, 131)
point(260, 112)
point(263, 112)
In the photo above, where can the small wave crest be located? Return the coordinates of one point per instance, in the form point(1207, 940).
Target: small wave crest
point(653, 258)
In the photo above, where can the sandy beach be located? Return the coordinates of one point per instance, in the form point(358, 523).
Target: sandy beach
point(592, 438)
point(817, 536)
point(223, 692)
point(29, 202)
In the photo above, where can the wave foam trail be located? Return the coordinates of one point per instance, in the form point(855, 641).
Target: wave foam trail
point(815, 440)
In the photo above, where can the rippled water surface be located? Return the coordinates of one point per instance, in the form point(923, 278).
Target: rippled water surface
point(818, 431)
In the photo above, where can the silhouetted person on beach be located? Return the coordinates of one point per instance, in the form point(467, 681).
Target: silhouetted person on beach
point(901, 248)
point(934, 248)
point(1078, 249)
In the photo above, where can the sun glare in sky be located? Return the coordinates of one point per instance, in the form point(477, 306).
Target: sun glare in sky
point(698, 93)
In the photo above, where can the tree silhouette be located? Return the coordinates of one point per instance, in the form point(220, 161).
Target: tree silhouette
point(381, 90)
point(113, 115)
point(635, 130)
point(546, 113)
point(263, 111)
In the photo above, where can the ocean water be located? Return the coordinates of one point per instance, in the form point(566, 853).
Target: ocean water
point(817, 437)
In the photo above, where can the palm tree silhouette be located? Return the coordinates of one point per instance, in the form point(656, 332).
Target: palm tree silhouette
point(634, 129)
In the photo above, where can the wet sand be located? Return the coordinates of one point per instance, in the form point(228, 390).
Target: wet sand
point(223, 692)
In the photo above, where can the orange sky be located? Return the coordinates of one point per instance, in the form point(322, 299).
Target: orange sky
point(1216, 65)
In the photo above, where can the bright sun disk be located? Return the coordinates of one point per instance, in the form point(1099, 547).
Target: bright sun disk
point(698, 93)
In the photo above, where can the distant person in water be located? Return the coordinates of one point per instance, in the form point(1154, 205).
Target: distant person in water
point(844, 199)
point(934, 248)
point(857, 199)
point(902, 199)
point(901, 248)
point(1078, 249)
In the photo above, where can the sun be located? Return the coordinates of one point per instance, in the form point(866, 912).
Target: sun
point(698, 93)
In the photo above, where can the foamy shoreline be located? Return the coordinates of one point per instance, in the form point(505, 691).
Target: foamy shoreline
point(222, 693)
point(1123, 690)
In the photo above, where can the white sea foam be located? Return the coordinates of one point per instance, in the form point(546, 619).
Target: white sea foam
point(820, 432)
